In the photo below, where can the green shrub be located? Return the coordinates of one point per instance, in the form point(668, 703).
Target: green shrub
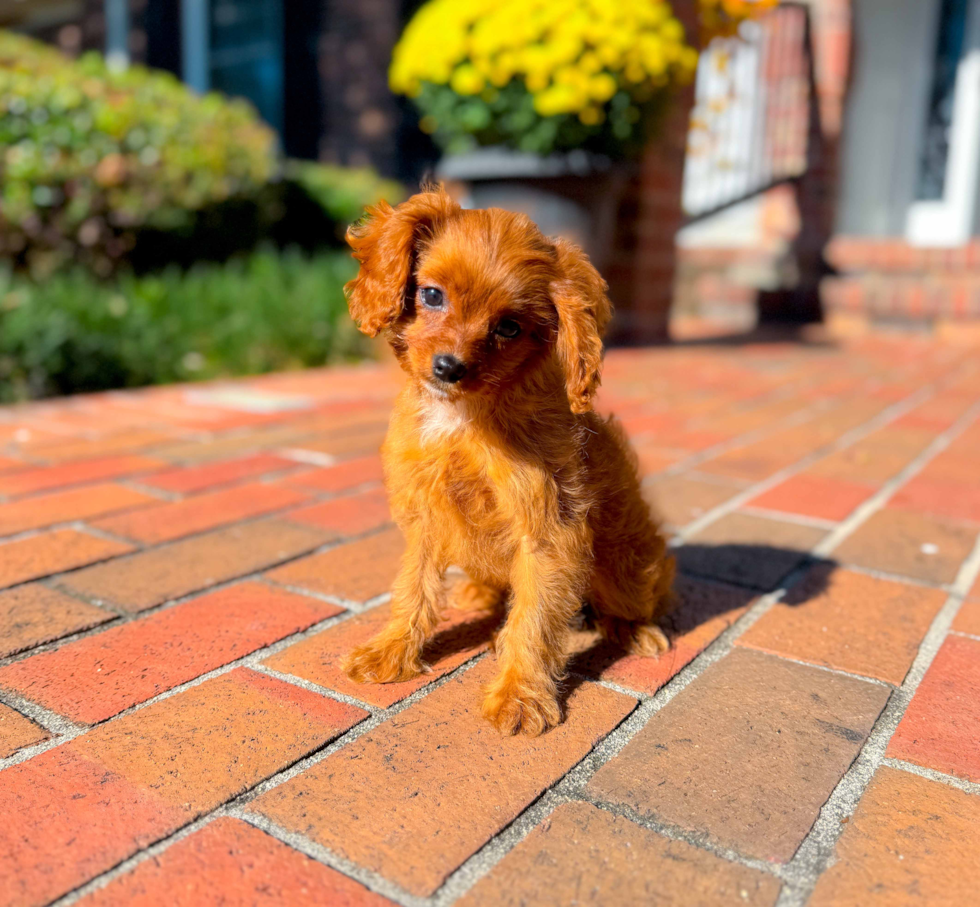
point(89, 156)
point(342, 193)
point(310, 207)
point(270, 310)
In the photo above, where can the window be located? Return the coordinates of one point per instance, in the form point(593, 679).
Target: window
point(236, 47)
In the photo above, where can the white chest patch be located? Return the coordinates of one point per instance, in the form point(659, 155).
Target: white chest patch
point(441, 418)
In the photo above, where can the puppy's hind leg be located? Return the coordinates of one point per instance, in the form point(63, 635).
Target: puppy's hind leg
point(395, 654)
point(473, 596)
point(629, 613)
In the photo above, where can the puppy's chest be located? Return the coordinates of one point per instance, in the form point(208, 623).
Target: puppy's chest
point(463, 488)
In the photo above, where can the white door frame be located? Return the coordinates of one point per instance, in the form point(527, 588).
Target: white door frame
point(952, 220)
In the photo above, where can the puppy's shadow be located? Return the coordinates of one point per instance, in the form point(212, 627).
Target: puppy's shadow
point(708, 596)
point(706, 591)
point(475, 630)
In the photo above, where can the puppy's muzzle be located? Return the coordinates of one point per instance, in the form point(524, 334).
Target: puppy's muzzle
point(448, 368)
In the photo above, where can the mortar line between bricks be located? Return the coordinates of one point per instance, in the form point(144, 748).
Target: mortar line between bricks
point(54, 580)
point(51, 721)
point(308, 685)
point(787, 517)
point(571, 785)
point(313, 499)
point(58, 489)
point(316, 851)
point(75, 524)
point(618, 739)
point(64, 729)
point(800, 417)
point(234, 807)
point(886, 416)
point(968, 787)
point(120, 616)
point(387, 713)
point(878, 500)
point(816, 853)
point(701, 840)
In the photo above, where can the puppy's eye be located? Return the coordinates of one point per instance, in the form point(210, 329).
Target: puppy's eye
point(508, 328)
point(432, 297)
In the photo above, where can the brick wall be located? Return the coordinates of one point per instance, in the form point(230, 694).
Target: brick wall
point(889, 280)
point(641, 275)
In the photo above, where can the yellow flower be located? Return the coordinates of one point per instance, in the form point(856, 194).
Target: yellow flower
point(467, 80)
point(557, 99)
point(602, 87)
point(571, 55)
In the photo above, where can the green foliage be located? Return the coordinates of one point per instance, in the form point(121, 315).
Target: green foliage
point(508, 117)
point(89, 156)
point(266, 311)
point(342, 193)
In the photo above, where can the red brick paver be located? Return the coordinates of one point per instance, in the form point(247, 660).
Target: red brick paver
point(582, 855)
point(747, 754)
point(165, 522)
point(233, 864)
point(818, 622)
point(151, 577)
point(342, 477)
point(816, 496)
point(911, 841)
point(16, 732)
point(351, 515)
point(53, 552)
point(63, 506)
point(386, 800)
point(941, 728)
point(191, 479)
point(94, 678)
point(30, 481)
point(167, 557)
point(33, 614)
point(77, 810)
point(357, 571)
point(910, 544)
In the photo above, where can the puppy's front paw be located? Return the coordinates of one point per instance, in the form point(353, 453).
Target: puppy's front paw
point(380, 662)
point(520, 708)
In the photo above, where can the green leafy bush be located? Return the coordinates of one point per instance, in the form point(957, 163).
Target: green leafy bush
point(342, 193)
point(270, 310)
point(89, 156)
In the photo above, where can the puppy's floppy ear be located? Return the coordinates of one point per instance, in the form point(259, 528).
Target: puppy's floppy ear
point(584, 310)
point(384, 243)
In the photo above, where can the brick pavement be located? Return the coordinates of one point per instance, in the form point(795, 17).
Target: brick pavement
point(182, 568)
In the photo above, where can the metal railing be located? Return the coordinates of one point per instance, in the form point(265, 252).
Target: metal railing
point(752, 112)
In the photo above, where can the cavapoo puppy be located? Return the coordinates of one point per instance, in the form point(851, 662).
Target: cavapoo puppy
point(495, 461)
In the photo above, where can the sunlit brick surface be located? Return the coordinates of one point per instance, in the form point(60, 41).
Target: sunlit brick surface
point(182, 570)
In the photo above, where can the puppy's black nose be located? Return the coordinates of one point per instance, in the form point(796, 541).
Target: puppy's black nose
point(447, 368)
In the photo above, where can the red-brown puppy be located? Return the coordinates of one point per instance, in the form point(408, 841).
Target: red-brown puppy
point(494, 460)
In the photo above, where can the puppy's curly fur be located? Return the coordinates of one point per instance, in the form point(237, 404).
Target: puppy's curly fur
point(506, 471)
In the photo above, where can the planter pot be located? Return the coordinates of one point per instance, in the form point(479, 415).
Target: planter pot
point(574, 195)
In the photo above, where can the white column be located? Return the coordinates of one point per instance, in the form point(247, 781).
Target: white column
point(195, 40)
point(117, 33)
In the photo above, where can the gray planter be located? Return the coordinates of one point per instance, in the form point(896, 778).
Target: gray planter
point(574, 195)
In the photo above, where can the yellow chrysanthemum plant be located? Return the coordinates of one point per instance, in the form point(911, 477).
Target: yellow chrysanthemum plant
point(546, 76)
